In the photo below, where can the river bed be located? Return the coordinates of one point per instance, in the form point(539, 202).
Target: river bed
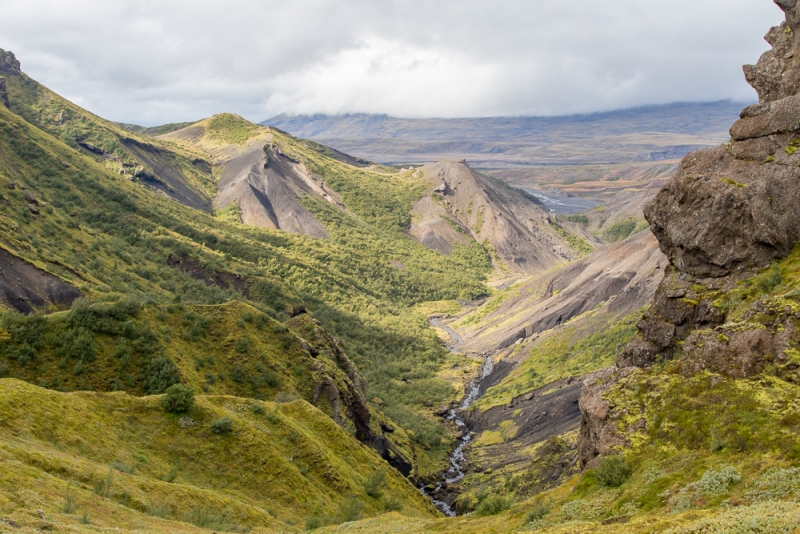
point(458, 460)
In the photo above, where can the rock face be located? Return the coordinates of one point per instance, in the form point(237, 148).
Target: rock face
point(727, 212)
point(597, 435)
point(267, 185)
point(339, 389)
point(731, 209)
point(9, 63)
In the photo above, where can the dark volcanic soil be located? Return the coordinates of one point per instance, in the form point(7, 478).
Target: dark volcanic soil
point(26, 288)
point(549, 411)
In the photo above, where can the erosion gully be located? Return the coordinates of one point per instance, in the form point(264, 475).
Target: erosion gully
point(458, 460)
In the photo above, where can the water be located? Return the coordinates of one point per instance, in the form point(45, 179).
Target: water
point(455, 338)
point(458, 460)
point(563, 205)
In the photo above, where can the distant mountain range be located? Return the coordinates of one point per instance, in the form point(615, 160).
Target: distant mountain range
point(650, 133)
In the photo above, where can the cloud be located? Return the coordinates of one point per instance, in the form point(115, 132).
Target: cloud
point(152, 61)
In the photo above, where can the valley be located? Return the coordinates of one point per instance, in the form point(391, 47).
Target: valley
point(361, 323)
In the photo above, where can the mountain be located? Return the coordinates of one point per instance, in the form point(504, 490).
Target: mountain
point(461, 206)
point(639, 134)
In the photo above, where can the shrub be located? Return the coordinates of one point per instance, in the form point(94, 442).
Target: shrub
point(179, 398)
point(717, 481)
point(537, 512)
point(351, 509)
point(770, 280)
point(239, 374)
point(161, 374)
point(392, 504)
point(223, 425)
point(612, 471)
point(313, 522)
point(373, 484)
point(775, 484)
point(257, 408)
point(493, 505)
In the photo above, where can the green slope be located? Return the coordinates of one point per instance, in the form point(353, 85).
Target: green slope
point(112, 237)
point(114, 460)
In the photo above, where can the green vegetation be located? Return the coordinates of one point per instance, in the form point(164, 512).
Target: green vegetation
point(612, 471)
point(624, 229)
point(231, 129)
point(576, 242)
point(580, 219)
point(223, 425)
point(178, 398)
point(555, 355)
point(134, 434)
point(115, 240)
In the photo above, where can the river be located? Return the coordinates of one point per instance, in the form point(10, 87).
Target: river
point(458, 460)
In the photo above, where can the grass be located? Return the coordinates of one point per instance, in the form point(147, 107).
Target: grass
point(76, 436)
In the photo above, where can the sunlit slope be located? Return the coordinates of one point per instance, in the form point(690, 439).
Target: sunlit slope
point(119, 461)
point(110, 237)
point(177, 174)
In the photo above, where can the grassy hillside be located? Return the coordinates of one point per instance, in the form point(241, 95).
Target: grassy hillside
point(112, 238)
point(90, 460)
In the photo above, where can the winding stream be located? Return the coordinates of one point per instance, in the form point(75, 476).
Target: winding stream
point(458, 460)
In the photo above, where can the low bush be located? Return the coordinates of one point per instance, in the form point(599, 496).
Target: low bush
point(223, 425)
point(373, 484)
point(493, 505)
point(612, 471)
point(179, 398)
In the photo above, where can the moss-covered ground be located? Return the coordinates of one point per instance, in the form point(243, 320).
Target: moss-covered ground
point(124, 462)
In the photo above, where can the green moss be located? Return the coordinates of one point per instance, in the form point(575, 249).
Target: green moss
point(733, 182)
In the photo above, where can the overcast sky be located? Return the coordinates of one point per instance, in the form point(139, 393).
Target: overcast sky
point(157, 61)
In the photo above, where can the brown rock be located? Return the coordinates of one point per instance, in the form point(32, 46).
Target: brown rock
point(30, 197)
point(598, 434)
point(729, 210)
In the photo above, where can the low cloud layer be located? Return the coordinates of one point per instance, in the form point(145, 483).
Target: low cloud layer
point(152, 62)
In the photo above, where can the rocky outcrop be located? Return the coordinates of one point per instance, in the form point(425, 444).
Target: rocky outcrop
point(337, 383)
point(9, 63)
point(598, 434)
point(26, 288)
point(727, 212)
point(731, 209)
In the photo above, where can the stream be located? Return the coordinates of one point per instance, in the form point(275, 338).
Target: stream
point(458, 460)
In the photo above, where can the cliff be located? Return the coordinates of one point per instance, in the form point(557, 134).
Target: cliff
point(727, 213)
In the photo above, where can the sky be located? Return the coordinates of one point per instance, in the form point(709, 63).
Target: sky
point(156, 61)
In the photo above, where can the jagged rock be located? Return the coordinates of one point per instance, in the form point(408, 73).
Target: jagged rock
point(732, 209)
point(597, 435)
point(9, 63)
